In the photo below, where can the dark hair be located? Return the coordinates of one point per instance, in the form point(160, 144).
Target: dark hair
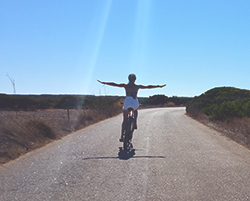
point(132, 78)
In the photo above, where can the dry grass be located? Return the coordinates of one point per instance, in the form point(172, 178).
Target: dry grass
point(237, 129)
point(23, 131)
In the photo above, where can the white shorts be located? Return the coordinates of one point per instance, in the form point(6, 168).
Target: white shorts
point(130, 102)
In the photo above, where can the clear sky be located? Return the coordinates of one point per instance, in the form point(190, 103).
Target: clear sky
point(63, 47)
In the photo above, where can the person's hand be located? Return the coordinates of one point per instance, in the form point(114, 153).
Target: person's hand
point(101, 82)
point(162, 85)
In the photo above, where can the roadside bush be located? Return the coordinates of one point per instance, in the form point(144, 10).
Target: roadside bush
point(158, 99)
point(15, 102)
point(224, 103)
point(167, 101)
point(246, 109)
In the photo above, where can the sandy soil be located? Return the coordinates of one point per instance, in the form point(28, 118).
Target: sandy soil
point(235, 129)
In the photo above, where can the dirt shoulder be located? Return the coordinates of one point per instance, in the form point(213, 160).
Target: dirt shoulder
point(24, 131)
point(237, 129)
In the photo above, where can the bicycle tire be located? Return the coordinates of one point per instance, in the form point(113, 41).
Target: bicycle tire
point(131, 129)
point(127, 133)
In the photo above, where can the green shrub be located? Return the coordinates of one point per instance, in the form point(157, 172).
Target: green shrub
point(223, 103)
point(246, 109)
point(164, 100)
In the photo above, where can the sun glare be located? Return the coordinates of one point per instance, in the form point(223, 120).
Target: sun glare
point(139, 52)
point(97, 45)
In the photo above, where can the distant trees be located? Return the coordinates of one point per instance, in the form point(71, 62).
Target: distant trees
point(158, 100)
point(31, 102)
point(104, 103)
point(14, 102)
point(165, 101)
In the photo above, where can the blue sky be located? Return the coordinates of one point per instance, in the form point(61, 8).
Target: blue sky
point(63, 47)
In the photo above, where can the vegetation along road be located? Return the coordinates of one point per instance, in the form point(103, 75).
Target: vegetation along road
point(174, 158)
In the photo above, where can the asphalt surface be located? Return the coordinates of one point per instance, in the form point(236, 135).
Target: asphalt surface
point(174, 158)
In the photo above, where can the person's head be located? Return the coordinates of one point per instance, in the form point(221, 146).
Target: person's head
point(132, 78)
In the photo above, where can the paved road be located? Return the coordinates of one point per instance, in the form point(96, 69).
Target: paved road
point(175, 158)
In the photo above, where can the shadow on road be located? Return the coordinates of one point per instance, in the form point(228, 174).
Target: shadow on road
point(123, 155)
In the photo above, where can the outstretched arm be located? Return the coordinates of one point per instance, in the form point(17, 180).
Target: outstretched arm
point(112, 84)
point(151, 86)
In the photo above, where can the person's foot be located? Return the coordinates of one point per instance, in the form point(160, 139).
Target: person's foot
point(135, 126)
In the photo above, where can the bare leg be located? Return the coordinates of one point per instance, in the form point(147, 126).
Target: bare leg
point(125, 117)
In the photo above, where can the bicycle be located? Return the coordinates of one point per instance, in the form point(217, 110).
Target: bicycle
point(129, 129)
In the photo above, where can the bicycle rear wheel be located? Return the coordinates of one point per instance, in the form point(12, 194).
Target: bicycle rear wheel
point(131, 129)
point(127, 135)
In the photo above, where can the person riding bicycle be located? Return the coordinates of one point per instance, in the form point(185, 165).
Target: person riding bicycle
point(131, 97)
